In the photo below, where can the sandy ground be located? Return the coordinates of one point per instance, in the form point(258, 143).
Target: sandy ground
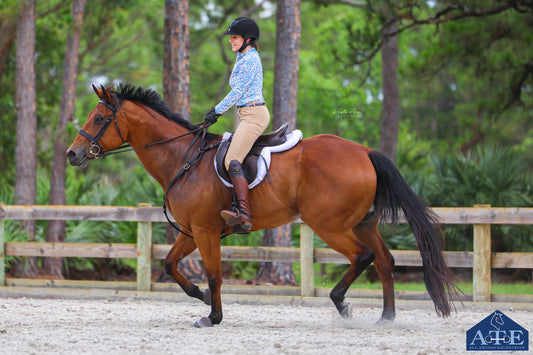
point(136, 326)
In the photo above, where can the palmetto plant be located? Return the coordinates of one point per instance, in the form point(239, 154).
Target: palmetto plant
point(12, 229)
point(103, 190)
point(487, 175)
point(92, 188)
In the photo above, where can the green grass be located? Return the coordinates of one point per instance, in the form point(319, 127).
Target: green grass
point(327, 277)
point(328, 281)
point(521, 288)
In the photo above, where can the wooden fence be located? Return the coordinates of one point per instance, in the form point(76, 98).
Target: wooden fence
point(481, 260)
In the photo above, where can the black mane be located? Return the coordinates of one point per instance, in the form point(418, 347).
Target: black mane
point(153, 100)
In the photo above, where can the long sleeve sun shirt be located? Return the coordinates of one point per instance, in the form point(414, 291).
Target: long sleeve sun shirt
point(246, 81)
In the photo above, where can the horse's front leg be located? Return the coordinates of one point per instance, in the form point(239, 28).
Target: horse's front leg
point(208, 244)
point(182, 247)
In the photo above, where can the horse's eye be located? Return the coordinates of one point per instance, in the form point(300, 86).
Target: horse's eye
point(99, 119)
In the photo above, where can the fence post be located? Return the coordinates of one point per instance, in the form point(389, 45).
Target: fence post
point(306, 261)
point(482, 261)
point(144, 254)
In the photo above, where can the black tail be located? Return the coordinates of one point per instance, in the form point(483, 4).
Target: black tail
point(393, 193)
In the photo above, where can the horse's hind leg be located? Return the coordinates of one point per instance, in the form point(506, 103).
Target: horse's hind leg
point(367, 233)
point(360, 257)
point(182, 247)
point(359, 262)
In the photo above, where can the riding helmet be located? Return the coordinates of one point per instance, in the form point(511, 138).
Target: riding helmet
point(246, 27)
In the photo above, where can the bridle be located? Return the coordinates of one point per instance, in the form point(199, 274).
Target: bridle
point(95, 149)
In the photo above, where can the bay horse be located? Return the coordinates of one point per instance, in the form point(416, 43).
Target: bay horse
point(340, 189)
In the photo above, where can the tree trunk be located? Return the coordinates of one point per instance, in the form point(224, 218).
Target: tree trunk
point(390, 106)
point(176, 85)
point(26, 103)
point(287, 63)
point(177, 93)
point(277, 273)
point(284, 111)
point(56, 229)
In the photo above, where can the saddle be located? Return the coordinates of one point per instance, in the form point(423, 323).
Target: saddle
point(257, 161)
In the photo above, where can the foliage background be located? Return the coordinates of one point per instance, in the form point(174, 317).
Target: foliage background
point(456, 146)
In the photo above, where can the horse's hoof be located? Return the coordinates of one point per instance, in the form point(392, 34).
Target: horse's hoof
point(207, 297)
point(386, 318)
point(346, 310)
point(204, 322)
point(384, 321)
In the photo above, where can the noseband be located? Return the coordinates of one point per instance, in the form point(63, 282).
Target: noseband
point(95, 149)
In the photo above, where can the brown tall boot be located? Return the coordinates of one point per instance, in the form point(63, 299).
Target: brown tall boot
point(241, 216)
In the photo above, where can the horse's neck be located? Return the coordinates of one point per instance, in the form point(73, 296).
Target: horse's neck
point(148, 127)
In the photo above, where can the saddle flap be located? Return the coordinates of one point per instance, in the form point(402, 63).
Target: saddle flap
point(277, 137)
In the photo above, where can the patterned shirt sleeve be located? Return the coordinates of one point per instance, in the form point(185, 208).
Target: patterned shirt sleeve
point(246, 81)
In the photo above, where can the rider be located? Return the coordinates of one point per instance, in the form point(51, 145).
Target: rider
point(246, 93)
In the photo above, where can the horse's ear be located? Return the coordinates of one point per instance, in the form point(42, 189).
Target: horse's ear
point(98, 92)
point(105, 95)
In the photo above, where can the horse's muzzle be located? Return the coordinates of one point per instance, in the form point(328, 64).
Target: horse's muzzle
point(77, 157)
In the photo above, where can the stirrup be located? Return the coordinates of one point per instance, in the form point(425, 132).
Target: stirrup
point(232, 218)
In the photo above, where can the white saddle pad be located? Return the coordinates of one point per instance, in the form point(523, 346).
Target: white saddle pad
point(263, 163)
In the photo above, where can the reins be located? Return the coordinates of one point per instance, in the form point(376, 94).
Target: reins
point(129, 148)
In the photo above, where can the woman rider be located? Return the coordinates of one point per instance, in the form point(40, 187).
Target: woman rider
point(246, 93)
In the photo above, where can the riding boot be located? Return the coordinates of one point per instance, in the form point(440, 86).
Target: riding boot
point(241, 215)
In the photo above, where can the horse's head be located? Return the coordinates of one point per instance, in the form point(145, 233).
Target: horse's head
point(100, 133)
point(496, 320)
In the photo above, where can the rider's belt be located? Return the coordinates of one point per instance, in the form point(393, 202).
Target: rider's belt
point(252, 104)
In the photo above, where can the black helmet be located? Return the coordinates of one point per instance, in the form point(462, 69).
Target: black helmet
point(246, 27)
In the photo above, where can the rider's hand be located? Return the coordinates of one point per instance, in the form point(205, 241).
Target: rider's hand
point(211, 116)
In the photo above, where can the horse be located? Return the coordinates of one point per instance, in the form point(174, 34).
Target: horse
point(339, 188)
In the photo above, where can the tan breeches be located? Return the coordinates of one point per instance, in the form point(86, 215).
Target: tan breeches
point(253, 122)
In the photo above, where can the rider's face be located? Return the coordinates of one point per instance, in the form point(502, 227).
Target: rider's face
point(236, 42)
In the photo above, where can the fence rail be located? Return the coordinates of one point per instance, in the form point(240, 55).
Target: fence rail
point(481, 259)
